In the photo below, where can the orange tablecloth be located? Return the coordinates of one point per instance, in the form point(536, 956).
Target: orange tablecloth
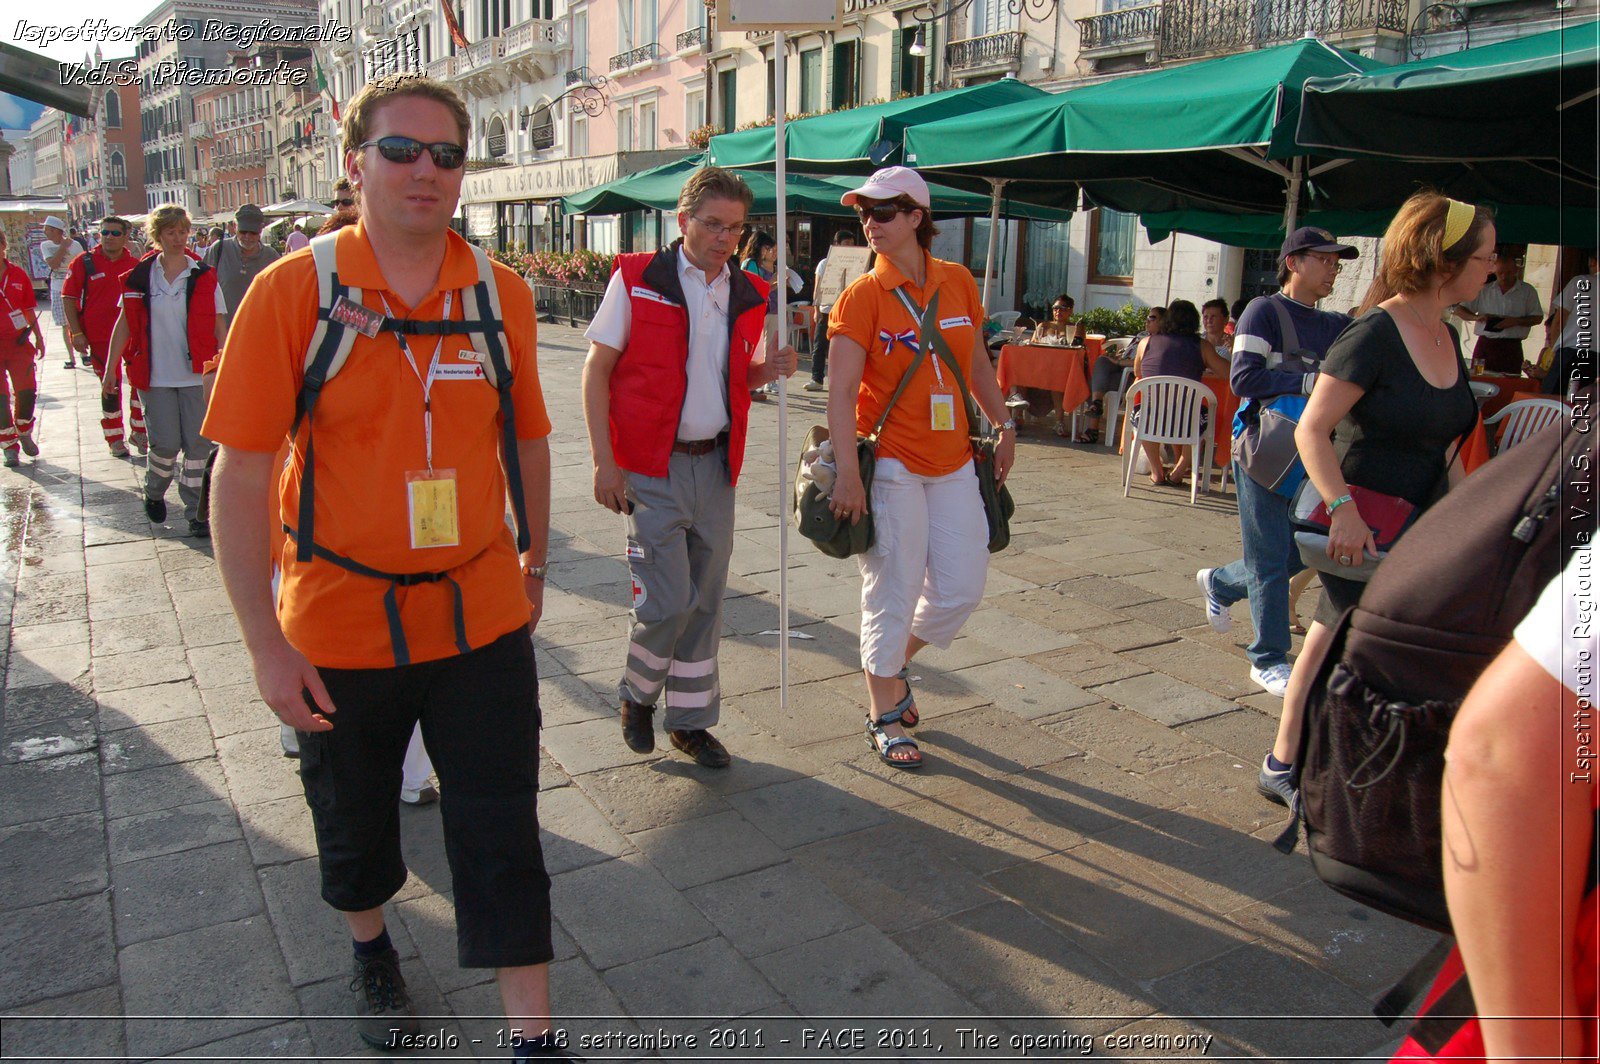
point(1055, 369)
point(1222, 417)
point(1511, 389)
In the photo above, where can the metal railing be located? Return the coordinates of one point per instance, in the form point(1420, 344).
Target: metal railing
point(1130, 25)
point(695, 38)
point(994, 49)
point(1201, 27)
point(534, 31)
point(645, 53)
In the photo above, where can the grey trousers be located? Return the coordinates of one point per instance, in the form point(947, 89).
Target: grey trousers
point(680, 540)
point(172, 418)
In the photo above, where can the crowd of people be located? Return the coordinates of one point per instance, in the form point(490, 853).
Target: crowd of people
point(371, 404)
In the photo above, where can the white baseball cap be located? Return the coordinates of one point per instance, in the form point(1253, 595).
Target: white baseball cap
point(57, 222)
point(890, 183)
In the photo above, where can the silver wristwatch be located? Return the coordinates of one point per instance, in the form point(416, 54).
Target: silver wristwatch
point(1008, 423)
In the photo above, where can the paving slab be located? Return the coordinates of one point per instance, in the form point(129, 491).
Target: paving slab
point(659, 918)
point(56, 786)
point(72, 849)
point(772, 909)
point(164, 787)
point(55, 949)
point(574, 834)
point(1163, 699)
point(803, 811)
point(683, 982)
point(184, 891)
point(77, 1027)
point(706, 849)
point(140, 707)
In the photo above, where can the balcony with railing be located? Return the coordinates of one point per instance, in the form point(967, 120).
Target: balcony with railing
point(199, 129)
point(479, 70)
point(443, 68)
point(636, 58)
point(695, 40)
point(531, 47)
point(987, 54)
point(1206, 27)
point(1126, 31)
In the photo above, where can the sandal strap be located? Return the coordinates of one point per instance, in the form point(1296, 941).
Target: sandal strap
point(891, 717)
point(899, 740)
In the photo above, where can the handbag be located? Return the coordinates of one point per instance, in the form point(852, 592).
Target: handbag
point(998, 506)
point(833, 535)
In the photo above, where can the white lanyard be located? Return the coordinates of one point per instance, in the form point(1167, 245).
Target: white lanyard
point(905, 301)
point(426, 382)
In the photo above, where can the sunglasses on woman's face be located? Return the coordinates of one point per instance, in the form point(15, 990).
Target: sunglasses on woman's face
point(344, 203)
point(882, 213)
point(446, 156)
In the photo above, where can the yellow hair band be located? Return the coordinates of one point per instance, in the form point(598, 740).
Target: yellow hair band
point(1457, 220)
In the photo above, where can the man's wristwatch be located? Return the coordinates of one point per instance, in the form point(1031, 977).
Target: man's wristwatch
point(1008, 423)
point(536, 571)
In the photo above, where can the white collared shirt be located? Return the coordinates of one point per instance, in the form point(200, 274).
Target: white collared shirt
point(1521, 302)
point(170, 366)
point(705, 403)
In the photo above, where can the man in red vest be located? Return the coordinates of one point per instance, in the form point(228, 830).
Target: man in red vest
point(92, 299)
point(666, 394)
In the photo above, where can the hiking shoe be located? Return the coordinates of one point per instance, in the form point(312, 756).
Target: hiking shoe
point(69, 364)
point(119, 450)
point(29, 447)
point(426, 794)
point(199, 529)
point(140, 442)
point(155, 509)
point(383, 1008)
point(1274, 679)
point(815, 386)
point(13, 458)
point(1217, 615)
point(1276, 786)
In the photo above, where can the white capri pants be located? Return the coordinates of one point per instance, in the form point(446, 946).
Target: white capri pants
point(925, 572)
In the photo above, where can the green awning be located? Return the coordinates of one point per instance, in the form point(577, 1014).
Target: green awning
point(658, 189)
point(861, 139)
point(1514, 223)
point(1218, 127)
point(1534, 97)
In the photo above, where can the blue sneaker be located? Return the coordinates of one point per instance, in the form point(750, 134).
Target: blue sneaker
point(1217, 615)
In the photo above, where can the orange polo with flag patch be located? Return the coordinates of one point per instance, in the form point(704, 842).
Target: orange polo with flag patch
point(369, 436)
point(870, 313)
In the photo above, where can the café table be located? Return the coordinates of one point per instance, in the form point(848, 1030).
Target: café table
point(1062, 370)
point(1512, 387)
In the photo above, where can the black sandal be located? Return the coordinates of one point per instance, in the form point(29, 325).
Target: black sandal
point(884, 743)
point(907, 706)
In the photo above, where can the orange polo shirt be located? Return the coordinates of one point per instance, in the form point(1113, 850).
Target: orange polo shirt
point(369, 435)
point(868, 308)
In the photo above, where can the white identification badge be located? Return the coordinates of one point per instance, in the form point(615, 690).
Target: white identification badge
point(448, 372)
point(944, 412)
point(18, 321)
point(951, 323)
point(431, 503)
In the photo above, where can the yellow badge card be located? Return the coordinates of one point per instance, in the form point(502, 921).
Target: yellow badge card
point(944, 412)
point(431, 500)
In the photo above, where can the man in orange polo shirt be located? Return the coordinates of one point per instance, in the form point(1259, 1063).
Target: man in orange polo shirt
point(401, 598)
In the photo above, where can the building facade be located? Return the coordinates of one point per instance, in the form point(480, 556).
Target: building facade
point(102, 156)
point(194, 36)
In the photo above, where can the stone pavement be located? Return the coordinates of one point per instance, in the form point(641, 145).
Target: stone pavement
point(1083, 856)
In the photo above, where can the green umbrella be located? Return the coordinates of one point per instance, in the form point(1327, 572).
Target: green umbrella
point(1530, 98)
point(1514, 223)
point(658, 189)
point(861, 139)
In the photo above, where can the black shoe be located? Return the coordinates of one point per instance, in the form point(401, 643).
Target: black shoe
point(199, 529)
point(383, 1008)
point(69, 364)
point(155, 509)
point(702, 746)
point(637, 730)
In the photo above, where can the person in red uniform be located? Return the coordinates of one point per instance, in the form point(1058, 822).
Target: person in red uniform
point(92, 299)
point(18, 320)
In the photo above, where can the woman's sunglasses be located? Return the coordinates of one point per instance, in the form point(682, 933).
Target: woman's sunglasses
point(446, 156)
point(882, 213)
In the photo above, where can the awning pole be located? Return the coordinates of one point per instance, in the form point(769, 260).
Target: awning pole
point(995, 185)
point(785, 501)
point(1291, 208)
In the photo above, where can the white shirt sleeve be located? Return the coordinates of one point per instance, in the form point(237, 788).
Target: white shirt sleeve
point(1562, 631)
point(222, 303)
point(613, 322)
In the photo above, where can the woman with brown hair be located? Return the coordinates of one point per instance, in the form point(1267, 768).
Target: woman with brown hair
point(1390, 399)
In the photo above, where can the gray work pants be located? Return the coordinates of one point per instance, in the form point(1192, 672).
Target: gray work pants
point(172, 418)
point(680, 540)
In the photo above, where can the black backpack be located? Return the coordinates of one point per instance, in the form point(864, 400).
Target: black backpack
point(1440, 608)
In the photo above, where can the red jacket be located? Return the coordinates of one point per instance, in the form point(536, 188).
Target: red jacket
point(94, 284)
point(649, 382)
point(202, 303)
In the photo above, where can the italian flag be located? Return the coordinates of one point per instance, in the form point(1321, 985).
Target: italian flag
point(322, 83)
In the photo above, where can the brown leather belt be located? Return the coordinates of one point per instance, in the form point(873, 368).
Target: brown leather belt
point(695, 447)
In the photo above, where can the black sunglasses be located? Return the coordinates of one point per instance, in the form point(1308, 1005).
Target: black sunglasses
point(111, 232)
point(882, 213)
point(446, 156)
point(1061, 306)
point(349, 202)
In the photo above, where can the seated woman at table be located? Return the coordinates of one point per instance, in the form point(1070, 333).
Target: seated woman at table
point(1105, 376)
point(1060, 328)
point(1178, 350)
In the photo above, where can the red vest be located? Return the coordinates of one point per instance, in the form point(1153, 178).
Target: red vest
point(649, 381)
point(201, 297)
point(90, 272)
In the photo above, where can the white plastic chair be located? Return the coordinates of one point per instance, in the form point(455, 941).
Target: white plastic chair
point(1523, 418)
point(1482, 390)
point(1006, 319)
point(1169, 412)
point(1113, 406)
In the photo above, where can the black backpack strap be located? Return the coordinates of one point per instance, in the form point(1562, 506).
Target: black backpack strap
point(492, 326)
point(331, 344)
point(1411, 985)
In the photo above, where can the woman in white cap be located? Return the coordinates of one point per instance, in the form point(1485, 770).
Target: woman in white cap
point(925, 573)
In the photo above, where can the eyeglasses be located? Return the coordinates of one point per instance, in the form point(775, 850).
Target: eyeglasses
point(111, 232)
point(882, 213)
point(1060, 306)
point(1332, 262)
point(446, 156)
point(717, 228)
point(352, 203)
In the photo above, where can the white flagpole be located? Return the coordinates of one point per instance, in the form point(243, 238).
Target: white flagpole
point(785, 497)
